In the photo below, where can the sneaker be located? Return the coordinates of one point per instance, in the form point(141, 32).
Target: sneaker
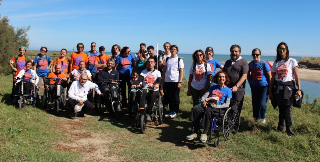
point(168, 115)
point(263, 120)
point(203, 138)
point(148, 117)
point(192, 136)
point(173, 114)
point(73, 115)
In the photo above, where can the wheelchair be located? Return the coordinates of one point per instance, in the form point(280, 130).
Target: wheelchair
point(26, 95)
point(56, 96)
point(113, 102)
point(225, 121)
point(141, 113)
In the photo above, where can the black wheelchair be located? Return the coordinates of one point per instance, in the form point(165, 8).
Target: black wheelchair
point(141, 114)
point(26, 93)
point(111, 101)
point(56, 96)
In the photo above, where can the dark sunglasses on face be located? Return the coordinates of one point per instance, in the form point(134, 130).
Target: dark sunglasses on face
point(256, 55)
point(199, 55)
point(80, 47)
point(43, 51)
point(281, 49)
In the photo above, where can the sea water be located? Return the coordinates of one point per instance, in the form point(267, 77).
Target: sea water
point(309, 87)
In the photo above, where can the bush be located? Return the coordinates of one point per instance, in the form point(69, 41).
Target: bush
point(10, 40)
point(313, 62)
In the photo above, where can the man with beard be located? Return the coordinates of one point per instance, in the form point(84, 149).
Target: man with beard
point(237, 69)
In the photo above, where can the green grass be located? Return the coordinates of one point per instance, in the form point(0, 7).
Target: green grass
point(28, 135)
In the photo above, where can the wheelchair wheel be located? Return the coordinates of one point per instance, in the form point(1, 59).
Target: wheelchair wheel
point(216, 142)
point(160, 114)
point(227, 124)
point(56, 106)
point(143, 123)
point(117, 107)
point(20, 103)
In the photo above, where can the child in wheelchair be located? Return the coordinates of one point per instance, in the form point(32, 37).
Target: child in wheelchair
point(217, 97)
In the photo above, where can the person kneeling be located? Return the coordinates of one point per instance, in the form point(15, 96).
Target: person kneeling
point(78, 95)
point(217, 96)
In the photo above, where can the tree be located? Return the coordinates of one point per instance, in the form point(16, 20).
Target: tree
point(10, 40)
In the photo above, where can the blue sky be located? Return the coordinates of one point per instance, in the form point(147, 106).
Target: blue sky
point(189, 24)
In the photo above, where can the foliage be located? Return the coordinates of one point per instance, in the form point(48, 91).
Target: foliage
point(313, 62)
point(10, 40)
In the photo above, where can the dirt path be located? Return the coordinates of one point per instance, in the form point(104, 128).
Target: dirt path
point(92, 145)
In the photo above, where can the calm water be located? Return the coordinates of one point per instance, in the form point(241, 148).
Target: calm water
point(309, 87)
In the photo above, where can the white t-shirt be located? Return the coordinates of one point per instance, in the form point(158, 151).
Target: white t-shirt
point(172, 73)
point(150, 77)
point(162, 58)
point(76, 73)
point(199, 78)
point(284, 70)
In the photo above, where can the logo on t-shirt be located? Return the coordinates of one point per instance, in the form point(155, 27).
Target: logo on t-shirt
point(282, 71)
point(150, 79)
point(256, 74)
point(78, 59)
point(43, 64)
point(102, 61)
point(125, 63)
point(21, 64)
point(26, 77)
point(91, 59)
point(216, 93)
point(63, 66)
point(57, 78)
point(211, 65)
point(198, 73)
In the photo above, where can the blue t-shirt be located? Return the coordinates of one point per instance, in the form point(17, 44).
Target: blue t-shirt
point(222, 93)
point(42, 65)
point(259, 74)
point(125, 65)
point(214, 64)
point(91, 58)
point(27, 76)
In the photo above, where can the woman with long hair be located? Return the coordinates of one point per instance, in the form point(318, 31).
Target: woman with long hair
point(283, 84)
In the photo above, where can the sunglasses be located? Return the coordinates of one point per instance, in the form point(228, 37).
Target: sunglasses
point(199, 55)
point(80, 47)
point(93, 46)
point(256, 55)
point(43, 50)
point(281, 49)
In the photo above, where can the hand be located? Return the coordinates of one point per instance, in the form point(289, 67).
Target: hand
point(161, 93)
point(47, 87)
point(234, 89)
point(188, 93)
point(138, 86)
point(101, 94)
point(179, 85)
point(299, 93)
point(156, 86)
point(213, 105)
point(80, 102)
point(133, 86)
point(65, 79)
point(15, 69)
point(204, 103)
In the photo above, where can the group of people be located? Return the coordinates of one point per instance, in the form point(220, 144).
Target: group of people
point(164, 73)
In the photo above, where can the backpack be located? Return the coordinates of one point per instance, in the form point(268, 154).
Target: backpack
point(263, 66)
point(205, 66)
point(57, 59)
point(27, 58)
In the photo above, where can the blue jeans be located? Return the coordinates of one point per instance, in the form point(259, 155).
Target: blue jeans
point(259, 101)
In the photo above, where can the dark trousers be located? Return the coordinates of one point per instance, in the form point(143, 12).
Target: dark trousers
point(151, 97)
point(195, 95)
point(237, 100)
point(88, 106)
point(125, 81)
point(259, 101)
point(196, 116)
point(285, 116)
point(171, 96)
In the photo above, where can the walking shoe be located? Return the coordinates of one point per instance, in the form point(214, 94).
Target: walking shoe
point(73, 115)
point(203, 138)
point(173, 114)
point(192, 136)
point(148, 117)
point(168, 115)
point(263, 120)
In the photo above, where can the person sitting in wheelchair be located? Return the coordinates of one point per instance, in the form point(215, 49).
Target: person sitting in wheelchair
point(55, 77)
point(28, 77)
point(150, 78)
point(217, 96)
point(135, 84)
point(105, 76)
point(75, 74)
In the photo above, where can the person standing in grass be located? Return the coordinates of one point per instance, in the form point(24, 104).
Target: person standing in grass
point(41, 64)
point(18, 63)
point(101, 60)
point(217, 96)
point(259, 77)
point(124, 65)
point(212, 62)
point(92, 55)
point(172, 81)
point(77, 57)
point(199, 76)
point(237, 69)
point(63, 61)
point(282, 86)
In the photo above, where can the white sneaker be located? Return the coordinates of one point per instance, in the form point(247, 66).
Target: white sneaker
point(203, 138)
point(263, 120)
point(192, 136)
point(173, 114)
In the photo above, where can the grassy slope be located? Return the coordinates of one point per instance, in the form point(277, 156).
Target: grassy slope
point(27, 135)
